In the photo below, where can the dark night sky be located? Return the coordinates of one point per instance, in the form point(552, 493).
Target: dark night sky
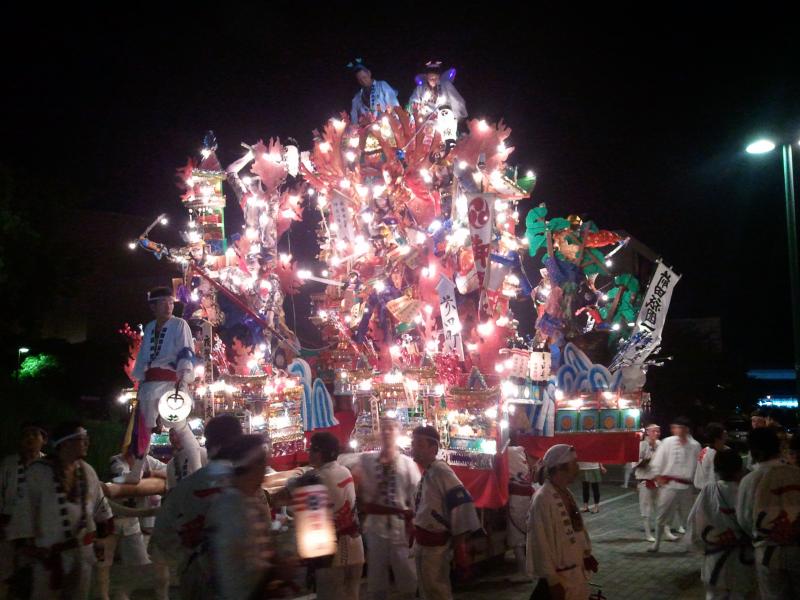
point(637, 124)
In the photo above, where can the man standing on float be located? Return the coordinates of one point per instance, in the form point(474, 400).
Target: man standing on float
point(163, 365)
point(374, 96)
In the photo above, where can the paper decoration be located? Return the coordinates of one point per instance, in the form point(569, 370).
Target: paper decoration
point(450, 320)
point(646, 336)
point(480, 213)
point(317, 406)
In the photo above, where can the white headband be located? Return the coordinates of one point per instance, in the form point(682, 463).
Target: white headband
point(80, 432)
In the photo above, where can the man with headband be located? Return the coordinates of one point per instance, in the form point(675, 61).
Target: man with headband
point(559, 550)
point(179, 535)
point(342, 579)
point(163, 364)
point(373, 97)
point(61, 514)
point(386, 482)
point(673, 466)
point(648, 491)
point(12, 486)
point(238, 526)
point(444, 515)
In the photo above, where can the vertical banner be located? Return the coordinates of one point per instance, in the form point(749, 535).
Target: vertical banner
point(646, 336)
point(451, 324)
point(341, 216)
point(480, 213)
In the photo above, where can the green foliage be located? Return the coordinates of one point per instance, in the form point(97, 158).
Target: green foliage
point(37, 366)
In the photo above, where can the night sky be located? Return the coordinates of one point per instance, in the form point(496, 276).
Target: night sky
point(637, 125)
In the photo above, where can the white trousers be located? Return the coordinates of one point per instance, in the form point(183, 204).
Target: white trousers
point(384, 554)
point(673, 506)
point(433, 571)
point(648, 500)
point(339, 583)
point(517, 520)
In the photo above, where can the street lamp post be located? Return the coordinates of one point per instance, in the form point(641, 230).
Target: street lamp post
point(20, 351)
point(761, 147)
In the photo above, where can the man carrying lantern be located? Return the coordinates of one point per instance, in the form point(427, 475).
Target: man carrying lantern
point(164, 363)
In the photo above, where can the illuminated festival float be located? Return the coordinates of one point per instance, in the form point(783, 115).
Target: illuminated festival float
point(431, 247)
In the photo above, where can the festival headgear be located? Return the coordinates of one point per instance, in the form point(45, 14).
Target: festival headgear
point(63, 436)
point(159, 293)
point(652, 426)
point(357, 65)
point(427, 432)
point(560, 454)
point(433, 66)
point(682, 421)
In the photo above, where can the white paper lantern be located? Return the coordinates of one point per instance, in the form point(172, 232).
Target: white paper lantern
point(175, 406)
point(316, 535)
point(540, 366)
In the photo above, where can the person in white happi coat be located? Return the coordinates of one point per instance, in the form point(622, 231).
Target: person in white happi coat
point(648, 490)
point(62, 512)
point(559, 549)
point(180, 464)
point(373, 97)
point(179, 533)
point(12, 486)
point(243, 563)
point(520, 493)
point(164, 363)
point(769, 510)
point(341, 580)
point(674, 465)
point(386, 483)
point(727, 570)
point(444, 515)
point(127, 536)
point(717, 436)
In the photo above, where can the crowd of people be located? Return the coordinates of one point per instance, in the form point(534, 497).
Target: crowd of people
point(218, 532)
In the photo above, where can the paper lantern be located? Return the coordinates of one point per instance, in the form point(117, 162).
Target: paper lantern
point(316, 535)
point(174, 406)
point(539, 367)
point(516, 361)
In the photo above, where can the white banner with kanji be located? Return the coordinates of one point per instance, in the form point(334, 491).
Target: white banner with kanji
point(451, 324)
point(646, 335)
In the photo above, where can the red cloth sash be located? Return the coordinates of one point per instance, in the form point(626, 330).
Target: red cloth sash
point(518, 489)
point(676, 479)
point(431, 538)
point(159, 374)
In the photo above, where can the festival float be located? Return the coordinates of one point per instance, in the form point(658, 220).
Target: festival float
point(424, 263)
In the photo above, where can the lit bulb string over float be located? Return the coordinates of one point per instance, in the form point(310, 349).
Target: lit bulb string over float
point(420, 261)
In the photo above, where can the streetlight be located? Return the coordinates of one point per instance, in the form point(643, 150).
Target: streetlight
point(763, 146)
point(20, 351)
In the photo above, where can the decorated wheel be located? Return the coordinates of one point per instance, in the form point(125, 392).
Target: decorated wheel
point(175, 406)
point(589, 423)
point(566, 423)
point(609, 422)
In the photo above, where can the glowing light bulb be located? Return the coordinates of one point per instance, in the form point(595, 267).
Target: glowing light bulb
point(428, 309)
point(379, 286)
point(483, 125)
point(367, 217)
point(463, 165)
point(164, 221)
point(353, 142)
point(485, 329)
point(350, 156)
point(132, 245)
point(324, 147)
point(502, 321)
